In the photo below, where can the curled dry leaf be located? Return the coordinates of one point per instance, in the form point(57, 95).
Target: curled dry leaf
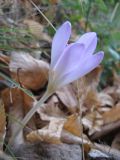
point(73, 125)
point(49, 134)
point(105, 99)
point(68, 98)
point(86, 89)
point(91, 101)
point(92, 121)
point(88, 81)
point(2, 124)
point(114, 92)
point(29, 72)
point(112, 115)
point(93, 78)
point(51, 110)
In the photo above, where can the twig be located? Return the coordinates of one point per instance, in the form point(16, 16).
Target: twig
point(80, 103)
point(42, 14)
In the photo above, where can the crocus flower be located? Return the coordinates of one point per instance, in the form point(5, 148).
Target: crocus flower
point(72, 61)
point(68, 62)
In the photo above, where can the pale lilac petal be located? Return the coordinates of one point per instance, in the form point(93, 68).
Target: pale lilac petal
point(60, 41)
point(70, 59)
point(90, 41)
point(83, 68)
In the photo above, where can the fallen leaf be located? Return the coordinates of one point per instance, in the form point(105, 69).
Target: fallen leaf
point(68, 98)
point(112, 115)
point(105, 99)
point(51, 109)
point(114, 92)
point(28, 71)
point(49, 134)
point(92, 121)
point(73, 125)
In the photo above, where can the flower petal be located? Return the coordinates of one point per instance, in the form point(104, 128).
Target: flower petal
point(90, 41)
point(60, 41)
point(70, 59)
point(85, 67)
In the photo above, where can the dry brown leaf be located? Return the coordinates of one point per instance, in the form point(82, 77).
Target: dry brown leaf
point(92, 121)
point(105, 99)
point(2, 124)
point(92, 81)
point(51, 110)
point(73, 125)
point(87, 88)
point(28, 71)
point(114, 92)
point(91, 100)
point(68, 98)
point(37, 29)
point(13, 101)
point(93, 78)
point(112, 115)
point(50, 134)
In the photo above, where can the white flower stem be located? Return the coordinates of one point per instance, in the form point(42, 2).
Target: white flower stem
point(29, 115)
point(34, 109)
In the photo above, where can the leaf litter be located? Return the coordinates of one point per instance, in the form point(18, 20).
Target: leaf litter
point(58, 119)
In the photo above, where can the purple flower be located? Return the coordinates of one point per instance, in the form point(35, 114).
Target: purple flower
point(69, 62)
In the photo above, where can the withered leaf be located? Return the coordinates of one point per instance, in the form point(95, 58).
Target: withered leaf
point(93, 121)
point(73, 125)
point(50, 134)
point(28, 71)
point(68, 98)
point(51, 110)
point(112, 115)
point(105, 99)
